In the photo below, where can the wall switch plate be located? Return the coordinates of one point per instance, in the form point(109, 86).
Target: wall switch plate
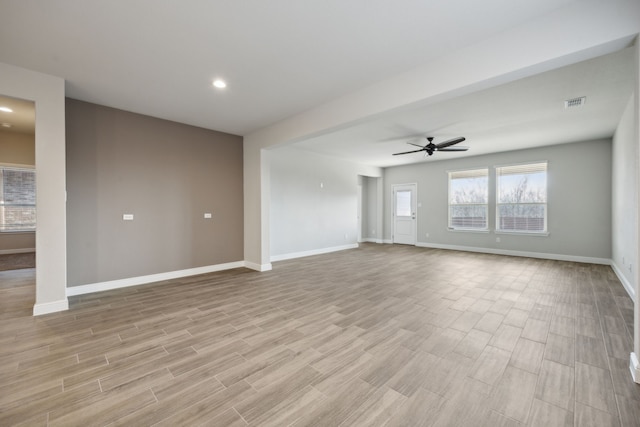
point(127, 217)
point(207, 215)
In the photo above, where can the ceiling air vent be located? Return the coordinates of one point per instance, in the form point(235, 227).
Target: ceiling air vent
point(575, 102)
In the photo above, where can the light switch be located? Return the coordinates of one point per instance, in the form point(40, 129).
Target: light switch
point(207, 215)
point(127, 217)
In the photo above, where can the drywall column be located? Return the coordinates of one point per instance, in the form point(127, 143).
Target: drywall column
point(634, 363)
point(256, 206)
point(51, 242)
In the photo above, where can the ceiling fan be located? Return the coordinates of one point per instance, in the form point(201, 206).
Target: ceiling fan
point(431, 147)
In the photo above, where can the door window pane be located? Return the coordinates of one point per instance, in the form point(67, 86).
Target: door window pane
point(403, 203)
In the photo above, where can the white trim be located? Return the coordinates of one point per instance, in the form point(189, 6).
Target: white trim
point(389, 241)
point(258, 267)
point(468, 230)
point(50, 307)
point(523, 233)
point(627, 286)
point(634, 367)
point(372, 240)
point(16, 251)
point(17, 166)
point(557, 257)
point(312, 252)
point(141, 280)
point(532, 162)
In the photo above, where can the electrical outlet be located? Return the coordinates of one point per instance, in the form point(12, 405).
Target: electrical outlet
point(373, 232)
point(426, 235)
point(497, 240)
point(346, 236)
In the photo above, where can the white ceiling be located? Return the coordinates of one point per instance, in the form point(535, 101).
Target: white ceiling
point(283, 57)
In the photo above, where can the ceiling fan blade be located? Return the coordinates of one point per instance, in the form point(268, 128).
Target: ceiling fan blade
point(453, 149)
point(409, 152)
point(450, 142)
point(417, 145)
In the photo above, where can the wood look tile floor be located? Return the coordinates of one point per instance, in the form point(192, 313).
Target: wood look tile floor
point(381, 335)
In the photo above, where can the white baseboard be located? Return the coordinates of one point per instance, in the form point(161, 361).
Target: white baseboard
point(141, 280)
point(50, 307)
point(387, 241)
point(16, 251)
point(627, 286)
point(556, 257)
point(634, 366)
point(258, 267)
point(312, 252)
point(370, 240)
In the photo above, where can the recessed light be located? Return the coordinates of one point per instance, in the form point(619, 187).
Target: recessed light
point(220, 84)
point(6, 109)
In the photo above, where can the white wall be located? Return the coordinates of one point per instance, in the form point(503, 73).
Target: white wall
point(578, 200)
point(625, 199)
point(51, 265)
point(313, 204)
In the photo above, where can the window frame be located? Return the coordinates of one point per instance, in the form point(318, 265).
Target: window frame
point(3, 226)
point(470, 173)
point(525, 168)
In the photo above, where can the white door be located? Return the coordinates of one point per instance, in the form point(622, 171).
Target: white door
point(404, 214)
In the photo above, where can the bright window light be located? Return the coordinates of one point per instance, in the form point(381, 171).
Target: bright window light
point(6, 109)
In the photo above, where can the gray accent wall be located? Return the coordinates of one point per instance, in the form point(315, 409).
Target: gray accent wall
point(164, 173)
point(18, 149)
point(579, 200)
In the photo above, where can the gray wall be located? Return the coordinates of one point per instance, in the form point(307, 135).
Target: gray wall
point(164, 173)
point(370, 206)
point(19, 149)
point(579, 200)
point(314, 201)
point(625, 197)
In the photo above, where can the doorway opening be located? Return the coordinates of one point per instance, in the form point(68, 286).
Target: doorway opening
point(17, 202)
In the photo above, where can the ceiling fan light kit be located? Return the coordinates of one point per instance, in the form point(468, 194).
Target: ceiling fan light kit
point(430, 148)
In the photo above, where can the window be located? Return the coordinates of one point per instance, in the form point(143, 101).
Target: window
point(522, 198)
point(468, 199)
point(17, 199)
point(403, 203)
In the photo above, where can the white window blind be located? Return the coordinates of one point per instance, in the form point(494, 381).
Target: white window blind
point(468, 199)
point(522, 198)
point(17, 199)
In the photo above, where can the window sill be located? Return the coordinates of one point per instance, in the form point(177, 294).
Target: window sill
point(523, 233)
point(467, 230)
